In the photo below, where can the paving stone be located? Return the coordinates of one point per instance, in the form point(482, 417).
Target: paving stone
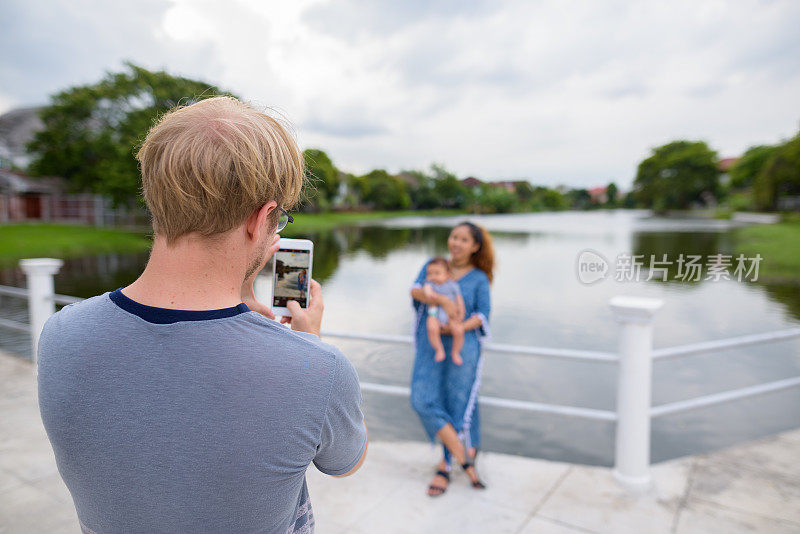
point(590, 498)
point(702, 518)
point(55, 487)
point(68, 527)
point(517, 482)
point(751, 487)
point(8, 480)
point(30, 460)
point(765, 491)
point(778, 454)
point(792, 436)
point(461, 510)
point(30, 464)
point(539, 525)
point(26, 509)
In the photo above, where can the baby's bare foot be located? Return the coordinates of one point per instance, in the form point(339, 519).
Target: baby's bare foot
point(439, 357)
point(457, 358)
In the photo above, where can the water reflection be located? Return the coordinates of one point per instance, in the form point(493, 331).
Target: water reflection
point(787, 294)
point(674, 244)
point(704, 244)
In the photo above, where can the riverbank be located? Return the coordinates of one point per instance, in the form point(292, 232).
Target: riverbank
point(751, 487)
point(779, 246)
point(32, 240)
point(314, 222)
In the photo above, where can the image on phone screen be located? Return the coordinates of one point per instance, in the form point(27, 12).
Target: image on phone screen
point(291, 277)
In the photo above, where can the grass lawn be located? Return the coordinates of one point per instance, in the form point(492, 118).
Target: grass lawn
point(29, 240)
point(779, 246)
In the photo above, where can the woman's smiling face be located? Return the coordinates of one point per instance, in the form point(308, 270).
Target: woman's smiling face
point(461, 245)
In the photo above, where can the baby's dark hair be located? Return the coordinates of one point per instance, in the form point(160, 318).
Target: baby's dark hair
point(438, 260)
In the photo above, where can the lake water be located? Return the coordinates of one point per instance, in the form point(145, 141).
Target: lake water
point(538, 300)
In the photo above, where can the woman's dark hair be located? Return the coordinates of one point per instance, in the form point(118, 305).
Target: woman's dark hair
point(483, 258)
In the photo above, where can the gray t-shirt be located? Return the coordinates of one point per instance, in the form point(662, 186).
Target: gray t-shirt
point(193, 421)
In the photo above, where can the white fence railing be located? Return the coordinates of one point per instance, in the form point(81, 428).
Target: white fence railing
point(635, 356)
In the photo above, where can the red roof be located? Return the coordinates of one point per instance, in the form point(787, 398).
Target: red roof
point(726, 163)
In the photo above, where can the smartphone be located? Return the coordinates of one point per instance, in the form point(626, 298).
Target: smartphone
point(291, 274)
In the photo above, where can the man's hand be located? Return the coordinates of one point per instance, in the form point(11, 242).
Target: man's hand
point(309, 319)
point(248, 296)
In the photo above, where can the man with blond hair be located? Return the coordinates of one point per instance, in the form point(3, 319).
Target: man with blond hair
point(177, 403)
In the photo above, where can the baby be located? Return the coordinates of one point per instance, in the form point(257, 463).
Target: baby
point(438, 281)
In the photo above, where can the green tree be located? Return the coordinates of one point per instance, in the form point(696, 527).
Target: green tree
point(525, 192)
point(495, 199)
point(422, 194)
point(677, 175)
point(322, 178)
point(744, 172)
point(780, 176)
point(629, 200)
point(91, 131)
point(612, 192)
point(552, 199)
point(383, 191)
point(448, 189)
point(579, 198)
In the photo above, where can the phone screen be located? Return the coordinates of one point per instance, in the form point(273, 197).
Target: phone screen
point(291, 277)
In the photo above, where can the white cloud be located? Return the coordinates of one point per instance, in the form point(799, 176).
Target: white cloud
point(558, 92)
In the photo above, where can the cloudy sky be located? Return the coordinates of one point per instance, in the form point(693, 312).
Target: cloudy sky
point(553, 91)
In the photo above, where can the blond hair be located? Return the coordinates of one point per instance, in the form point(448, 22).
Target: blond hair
point(208, 166)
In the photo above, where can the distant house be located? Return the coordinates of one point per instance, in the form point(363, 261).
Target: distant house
point(724, 165)
point(508, 185)
point(23, 198)
point(471, 182)
point(599, 195)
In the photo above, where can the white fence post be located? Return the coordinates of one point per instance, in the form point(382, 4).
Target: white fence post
point(634, 386)
point(41, 306)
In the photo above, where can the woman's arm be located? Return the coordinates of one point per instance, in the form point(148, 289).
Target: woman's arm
point(449, 307)
point(418, 293)
point(470, 324)
point(480, 316)
point(462, 309)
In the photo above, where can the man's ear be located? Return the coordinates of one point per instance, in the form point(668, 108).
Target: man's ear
point(258, 222)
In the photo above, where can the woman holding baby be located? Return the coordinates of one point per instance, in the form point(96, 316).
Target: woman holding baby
point(444, 392)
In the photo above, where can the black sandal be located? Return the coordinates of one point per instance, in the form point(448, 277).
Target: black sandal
point(476, 484)
point(445, 475)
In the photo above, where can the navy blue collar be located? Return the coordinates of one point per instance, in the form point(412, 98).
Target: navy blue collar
point(151, 314)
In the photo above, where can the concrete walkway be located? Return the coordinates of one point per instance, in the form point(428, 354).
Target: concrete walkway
point(753, 487)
